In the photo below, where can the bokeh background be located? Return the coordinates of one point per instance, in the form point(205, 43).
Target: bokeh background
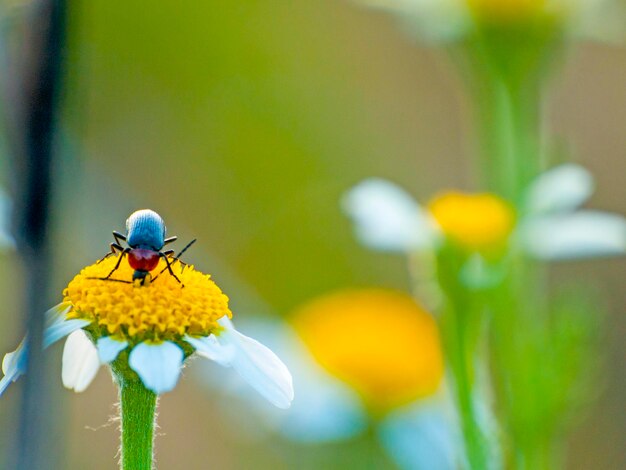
point(242, 123)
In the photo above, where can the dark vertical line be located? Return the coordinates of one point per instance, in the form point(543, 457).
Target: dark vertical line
point(33, 98)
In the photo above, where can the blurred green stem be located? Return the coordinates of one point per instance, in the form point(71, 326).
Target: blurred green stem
point(518, 376)
point(461, 326)
point(375, 453)
point(508, 68)
point(508, 89)
point(462, 371)
point(509, 122)
point(538, 457)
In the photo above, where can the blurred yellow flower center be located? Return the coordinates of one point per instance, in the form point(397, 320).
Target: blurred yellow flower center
point(506, 11)
point(161, 310)
point(379, 342)
point(476, 221)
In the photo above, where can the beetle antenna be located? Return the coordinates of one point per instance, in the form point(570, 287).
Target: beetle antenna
point(185, 249)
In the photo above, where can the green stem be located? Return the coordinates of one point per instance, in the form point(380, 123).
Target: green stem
point(509, 119)
point(518, 365)
point(508, 70)
point(462, 333)
point(539, 456)
point(516, 368)
point(137, 409)
point(375, 454)
point(463, 376)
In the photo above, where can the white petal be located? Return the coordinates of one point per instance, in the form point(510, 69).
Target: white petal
point(210, 348)
point(6, 381)
point(578, 235)
point(57, 314)
point(420, 439)
point(14, 365)
point(598, 20)
point(9, 360)
point(258, 365)
point(157, 364)
point(56, 327)
point(61, 329)
point(15, 359)
point(80, 362)
point(388, 218)
point(433, 20)
point(109, 348)
point(560, 189)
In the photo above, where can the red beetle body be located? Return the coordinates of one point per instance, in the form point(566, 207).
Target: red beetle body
point(141, 259)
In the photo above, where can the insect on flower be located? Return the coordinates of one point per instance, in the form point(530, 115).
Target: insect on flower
point(146, 334)
point(145, 237)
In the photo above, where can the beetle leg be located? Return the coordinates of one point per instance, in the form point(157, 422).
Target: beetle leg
point(170, 240)
point(119, 237)
point(119, 260)
point(114, 246)
point(169, 268)
point(167, 253)
point(112, 280)
point(176, 258)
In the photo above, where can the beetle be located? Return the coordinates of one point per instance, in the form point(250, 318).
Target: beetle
point(145, 237)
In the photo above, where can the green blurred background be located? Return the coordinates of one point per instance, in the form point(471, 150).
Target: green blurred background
point(242, 123)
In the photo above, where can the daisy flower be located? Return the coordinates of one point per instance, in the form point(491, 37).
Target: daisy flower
point(549, 224)
point(153, 328)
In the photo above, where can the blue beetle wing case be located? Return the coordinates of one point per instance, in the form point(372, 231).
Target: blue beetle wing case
point(145, 228)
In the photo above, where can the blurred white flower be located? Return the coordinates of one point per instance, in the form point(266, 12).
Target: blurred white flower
point(434, 19)
point(450, 20)
point(350, 379)
point(549, 225)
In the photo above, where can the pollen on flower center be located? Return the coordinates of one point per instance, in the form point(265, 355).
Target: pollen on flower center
point(161, 310)
point(475, 221)
point(380, 342)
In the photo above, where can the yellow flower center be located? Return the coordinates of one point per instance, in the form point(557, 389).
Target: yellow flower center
point(475, 221)
point(379, 342)
point(160, 310)
point(506, 11)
